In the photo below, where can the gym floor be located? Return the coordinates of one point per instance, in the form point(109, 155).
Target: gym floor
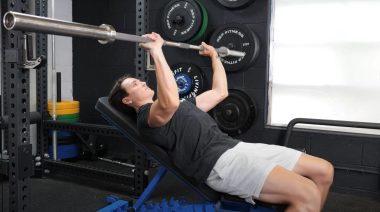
point(59, 196)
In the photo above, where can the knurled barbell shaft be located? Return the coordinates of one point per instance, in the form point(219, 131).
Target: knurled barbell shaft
point(103, 33)
point(222, 51)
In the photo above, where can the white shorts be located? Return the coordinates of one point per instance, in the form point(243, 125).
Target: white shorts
point(242, 170)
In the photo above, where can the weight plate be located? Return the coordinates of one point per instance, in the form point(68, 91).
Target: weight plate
point(236, 113)
point(235, 4)
point(190, 79)
point(63, 105)
point(65, 111)
point(203, 27)
point(68, 116)
point(62, 134)
point(68, 120)
point(182, 19)
point(71, 140)
point(237, 37)
point(59, 118)
point(66, 151)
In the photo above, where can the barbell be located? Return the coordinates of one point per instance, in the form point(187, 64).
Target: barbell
point(104, 33)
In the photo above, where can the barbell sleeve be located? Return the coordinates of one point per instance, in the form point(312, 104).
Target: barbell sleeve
point(104, 33)
point(31, 23)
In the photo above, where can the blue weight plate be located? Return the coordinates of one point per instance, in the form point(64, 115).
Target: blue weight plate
point(190, 79)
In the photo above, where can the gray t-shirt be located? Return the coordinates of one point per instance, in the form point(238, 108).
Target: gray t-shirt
point(191, 138)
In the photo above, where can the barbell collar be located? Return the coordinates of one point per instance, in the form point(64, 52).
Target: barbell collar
point(111, 35)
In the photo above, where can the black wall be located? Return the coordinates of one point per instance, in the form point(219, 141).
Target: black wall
point(252, 79)
point(97, 66)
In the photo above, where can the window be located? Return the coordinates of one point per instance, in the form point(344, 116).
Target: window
point(324, 60)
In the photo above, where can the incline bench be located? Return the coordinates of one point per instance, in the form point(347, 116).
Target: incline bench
point(128, 127)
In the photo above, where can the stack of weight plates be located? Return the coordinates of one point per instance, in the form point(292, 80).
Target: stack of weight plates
point(67, 145)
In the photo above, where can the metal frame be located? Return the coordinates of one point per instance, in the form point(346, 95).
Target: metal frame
point(97, 175)
point(337, 123)
point(141, 28)
point(131, 180)
point(141, 162)
point(85, 128)
point(122, 181)
point(15, 82)
point(41, 49)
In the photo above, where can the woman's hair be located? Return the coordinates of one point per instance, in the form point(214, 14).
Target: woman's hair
point(116, 96)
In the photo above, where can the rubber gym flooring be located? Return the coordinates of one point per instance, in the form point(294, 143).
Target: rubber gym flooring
point(57, 195)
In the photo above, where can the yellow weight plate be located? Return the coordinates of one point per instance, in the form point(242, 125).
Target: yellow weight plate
point(65, 111)
point(63, 105)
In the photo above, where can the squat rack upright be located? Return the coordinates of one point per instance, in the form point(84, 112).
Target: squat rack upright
point(16, 115)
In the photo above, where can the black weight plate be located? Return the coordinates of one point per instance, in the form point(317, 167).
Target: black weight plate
point(236, 113)
point(190, 79)
point(181, 20)
point(235, 4)
point(237, 37)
